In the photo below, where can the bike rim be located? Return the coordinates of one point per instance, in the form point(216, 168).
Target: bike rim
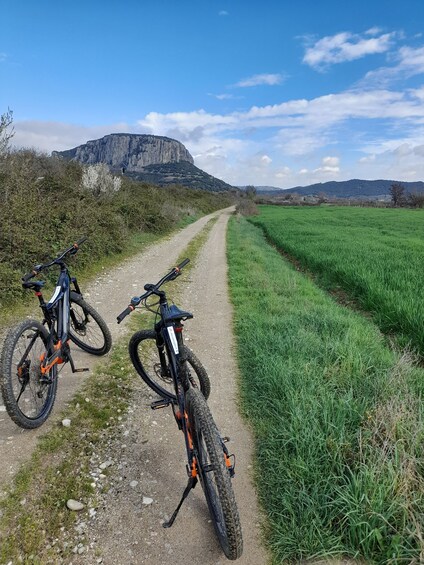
point(85, 329)
point(32, 396)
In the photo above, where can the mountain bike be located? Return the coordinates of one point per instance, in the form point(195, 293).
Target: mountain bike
point(32, 350)
point(179, 378)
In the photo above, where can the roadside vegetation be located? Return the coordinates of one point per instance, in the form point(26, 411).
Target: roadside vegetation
point(373, 256)
point(46, 203)
point(337, 415)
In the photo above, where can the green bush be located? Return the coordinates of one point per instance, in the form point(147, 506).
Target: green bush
point(44, 208)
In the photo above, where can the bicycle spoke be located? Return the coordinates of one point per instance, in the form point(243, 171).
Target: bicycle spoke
point(27, 397)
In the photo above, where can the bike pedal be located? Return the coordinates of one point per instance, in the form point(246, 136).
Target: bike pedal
point(82, 370)
point(46, 381)
point(161, 403)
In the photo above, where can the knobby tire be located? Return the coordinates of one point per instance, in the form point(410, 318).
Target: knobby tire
point(214, 475)
point(88, 330)
point(29, 406)
point(145, 361)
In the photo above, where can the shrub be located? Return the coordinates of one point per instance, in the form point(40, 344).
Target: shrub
point(47, 202)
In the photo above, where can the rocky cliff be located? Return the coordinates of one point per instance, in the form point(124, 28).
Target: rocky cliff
point(129, 152)
point(149, 158)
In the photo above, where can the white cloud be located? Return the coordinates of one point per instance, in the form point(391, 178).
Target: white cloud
point(57, 136)
point(346, 46)
point(283, 173)
point(331, 161)
point(257, 80)
point(281, 142)
point(409, 61)
point(328, 165)
point(223, 13)
point(224, 96)
point(402, 162)
point(3, 57)
point(368, 159)
point(373, 31)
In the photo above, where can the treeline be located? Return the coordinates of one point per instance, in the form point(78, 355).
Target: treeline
point(398, 196)
point(46, 203)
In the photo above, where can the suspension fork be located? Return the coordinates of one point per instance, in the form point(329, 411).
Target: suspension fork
point(76, 286)
point(160, 344)
point(181, 361)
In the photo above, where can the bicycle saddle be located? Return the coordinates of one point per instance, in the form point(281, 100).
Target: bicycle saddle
point(174, 313)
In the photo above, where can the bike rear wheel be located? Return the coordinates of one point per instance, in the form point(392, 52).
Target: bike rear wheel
point(214, 475)
point(88, 330)
point(27, 394)
point(145, 358)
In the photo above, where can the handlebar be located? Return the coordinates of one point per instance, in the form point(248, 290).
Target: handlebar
point(38, 268)
point(125, 313)
point(152, 289)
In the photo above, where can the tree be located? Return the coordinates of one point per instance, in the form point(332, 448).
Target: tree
point(397, 193)
point(322, 197)
point(416, 199)
point(250, 191)
point(6, 133)
point(99, 180)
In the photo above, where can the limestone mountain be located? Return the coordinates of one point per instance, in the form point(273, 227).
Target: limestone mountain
point(151, 158)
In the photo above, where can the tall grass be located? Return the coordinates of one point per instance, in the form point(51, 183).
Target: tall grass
point(337, 416)
point(375, 255)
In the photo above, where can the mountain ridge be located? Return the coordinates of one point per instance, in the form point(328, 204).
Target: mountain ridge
point(150, 158)
point(353, 188)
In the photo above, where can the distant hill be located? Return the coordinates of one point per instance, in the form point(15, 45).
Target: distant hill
point(183, 173)
point(354, 188)
point(150, 158)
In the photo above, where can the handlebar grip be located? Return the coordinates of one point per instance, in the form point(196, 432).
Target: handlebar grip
point(125, 313)
point(33, 273)
point(29, 276)
point(183, 264)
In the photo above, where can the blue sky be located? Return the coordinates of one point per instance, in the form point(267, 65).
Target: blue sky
point(278, 93)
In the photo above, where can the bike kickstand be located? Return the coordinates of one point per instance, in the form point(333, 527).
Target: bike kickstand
point(192, 482)
point(74, 370)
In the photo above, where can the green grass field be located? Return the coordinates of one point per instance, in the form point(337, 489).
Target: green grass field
point(375, 256)
point(337, 416)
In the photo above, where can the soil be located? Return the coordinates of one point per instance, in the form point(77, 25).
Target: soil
point(146, 473)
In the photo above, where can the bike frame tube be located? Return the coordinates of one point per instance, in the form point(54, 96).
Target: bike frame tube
point(57, 310)
point(59, 303)
point(173, 344)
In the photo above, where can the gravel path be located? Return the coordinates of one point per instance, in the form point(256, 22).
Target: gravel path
point(109, 294)
point(147, 472)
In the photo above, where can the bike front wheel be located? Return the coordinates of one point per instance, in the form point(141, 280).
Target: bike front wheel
point(214, 474)
point(145, 358)
point(88, 330)
point(28, 395)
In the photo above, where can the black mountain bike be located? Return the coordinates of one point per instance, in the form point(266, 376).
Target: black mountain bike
point(181, 381)
point(32, 350)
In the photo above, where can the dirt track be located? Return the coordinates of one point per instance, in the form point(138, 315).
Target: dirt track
point(152, 457)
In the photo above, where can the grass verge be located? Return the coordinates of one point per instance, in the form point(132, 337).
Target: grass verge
point(35, 524)
point(34, 516)
point(337, 416)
